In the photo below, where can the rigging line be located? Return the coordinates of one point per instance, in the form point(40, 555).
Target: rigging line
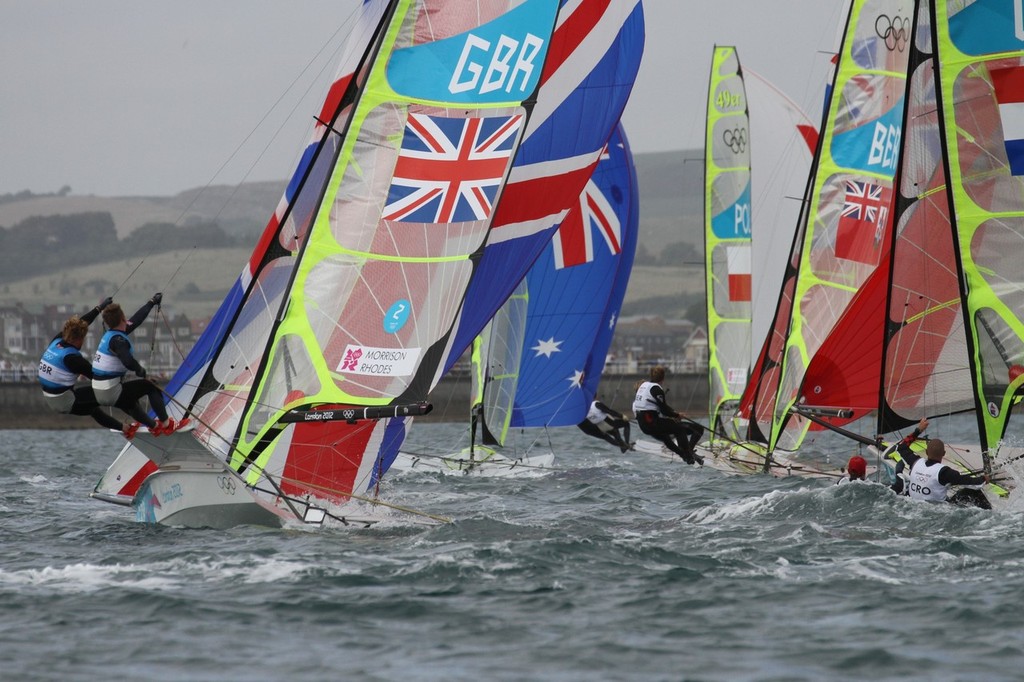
point(170, 333)
point(723, 436)
point(342, 26)
point(369, 500)
point(565, 398)
point(185, 259)
point(130, 274)
point(234, 449)
point(155, 326)
point(480, 463)
point(185, 211)
point(347, 520)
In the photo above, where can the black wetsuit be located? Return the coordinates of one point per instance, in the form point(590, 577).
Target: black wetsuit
point(662, 424)
point(132, 391)
point(616, 420)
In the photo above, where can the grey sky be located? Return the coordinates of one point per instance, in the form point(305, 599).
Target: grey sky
point(132, 97)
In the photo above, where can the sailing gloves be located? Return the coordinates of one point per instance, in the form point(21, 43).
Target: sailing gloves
point(157, 297)
point(105, 302)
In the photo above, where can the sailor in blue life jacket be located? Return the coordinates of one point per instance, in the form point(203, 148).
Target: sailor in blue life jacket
point(603, 422)
point(61, 365)
point(930, 479)
point(856, 470)
point(113, 359)
point(658, 420)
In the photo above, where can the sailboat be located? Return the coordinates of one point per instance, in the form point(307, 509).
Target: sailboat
point(539, 362)
point(495, 356)
point(747, 216)
point(944, 336)
point(367, 278)
point(845, 225)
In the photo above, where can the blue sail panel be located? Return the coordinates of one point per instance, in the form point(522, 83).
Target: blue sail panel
point(576, 290)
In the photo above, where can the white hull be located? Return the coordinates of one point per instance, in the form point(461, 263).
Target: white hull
point(211, 498)
point(192, 488)
point(201, 498)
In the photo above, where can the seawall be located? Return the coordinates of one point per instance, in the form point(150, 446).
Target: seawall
point(22, 406)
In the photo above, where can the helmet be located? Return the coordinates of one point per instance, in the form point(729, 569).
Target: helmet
point(857, 467)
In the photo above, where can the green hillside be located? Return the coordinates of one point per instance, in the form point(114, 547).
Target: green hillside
point(194, 281)
point(196, 289)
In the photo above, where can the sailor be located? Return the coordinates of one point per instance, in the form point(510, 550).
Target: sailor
point(900, 484)
point(603, 422)
point(658, 420)
point(930, 479)
point(856, 470)
point(113, 359)
point(61, 365)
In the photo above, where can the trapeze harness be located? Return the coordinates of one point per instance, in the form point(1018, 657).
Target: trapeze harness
point(924, 482)
point(55, 378)
point(644, 402)
point(108, 370)
point(597, 417)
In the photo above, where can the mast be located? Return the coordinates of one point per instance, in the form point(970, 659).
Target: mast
point(924, 366)
point(351, 334)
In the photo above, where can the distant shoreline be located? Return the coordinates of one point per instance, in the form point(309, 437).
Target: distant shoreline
point(22, 406)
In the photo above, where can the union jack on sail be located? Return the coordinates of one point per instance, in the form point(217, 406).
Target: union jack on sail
point(863, 222)
point(574, 242)
point(449, 169)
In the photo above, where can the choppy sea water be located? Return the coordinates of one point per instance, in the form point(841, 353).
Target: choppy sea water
point(611, 567)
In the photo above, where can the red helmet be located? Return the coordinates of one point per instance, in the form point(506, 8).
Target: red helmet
point(857, 467)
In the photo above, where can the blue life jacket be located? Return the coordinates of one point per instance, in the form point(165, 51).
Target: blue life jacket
point(54, 375)
point(105, 364)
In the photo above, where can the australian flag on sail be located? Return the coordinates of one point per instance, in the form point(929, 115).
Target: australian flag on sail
point(449, 169)
point(862, 223)
point(1008, 84)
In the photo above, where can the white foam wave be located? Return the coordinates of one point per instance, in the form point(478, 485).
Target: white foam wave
point(744, 508)
point(157, 576)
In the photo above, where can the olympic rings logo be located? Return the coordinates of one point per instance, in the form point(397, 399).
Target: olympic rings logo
point(227, 484)
point(735, 139)
point(348, 414)
point(895, 31)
